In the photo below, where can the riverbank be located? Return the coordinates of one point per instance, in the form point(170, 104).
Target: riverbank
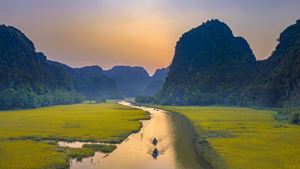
point(28, 138)
point(189, 150)
point(243, 138)
point(174, 147)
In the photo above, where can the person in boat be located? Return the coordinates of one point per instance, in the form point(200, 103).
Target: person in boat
point(154, 142)
point(155, 153)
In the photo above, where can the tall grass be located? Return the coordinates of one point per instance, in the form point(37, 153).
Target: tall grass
point(244, 138)
point(22, 132)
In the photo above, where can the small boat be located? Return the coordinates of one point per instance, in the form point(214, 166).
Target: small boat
point(155, 153)
point(154, 142)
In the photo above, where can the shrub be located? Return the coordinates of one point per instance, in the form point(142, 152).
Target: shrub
point(144, 99)
point(290, 114)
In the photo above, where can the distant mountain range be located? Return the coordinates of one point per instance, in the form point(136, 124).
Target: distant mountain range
point(156, 82)
point(212, 66)
point(29, 79)
point(131, 80)
point(134, 81)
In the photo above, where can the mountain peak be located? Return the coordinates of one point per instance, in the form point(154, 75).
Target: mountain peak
point(211, 66)
point(14, 40)
point(129, 68)
point(215, 23)
point(199, 54)
point(130, 79)
point(136, 70)
point(212, 44)
point(214, 27)
point(93, 68)
point(160, 74)
point(288, 38)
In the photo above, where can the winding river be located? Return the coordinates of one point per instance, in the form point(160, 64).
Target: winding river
point(175, 148)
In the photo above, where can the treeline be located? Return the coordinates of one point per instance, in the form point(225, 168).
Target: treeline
point(145, 99)
point(29, 80)
point(25, 98)
point(290, 114)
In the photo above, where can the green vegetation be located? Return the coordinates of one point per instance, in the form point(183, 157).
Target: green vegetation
point(22, 98)
point(24, 134)
point(144, 99)
point(244, 138)
point(87, 150)
point(211, 66)
point(79, 153)
point(29, 80)
point(100, 147)
point(22, 154)
point(291, 115)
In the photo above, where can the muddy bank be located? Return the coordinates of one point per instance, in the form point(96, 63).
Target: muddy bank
point(189, 146)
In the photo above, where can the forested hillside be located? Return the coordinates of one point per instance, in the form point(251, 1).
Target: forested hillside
point(211, 66)
point(28, 79)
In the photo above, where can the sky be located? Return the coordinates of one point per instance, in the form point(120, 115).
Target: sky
point(140, 32)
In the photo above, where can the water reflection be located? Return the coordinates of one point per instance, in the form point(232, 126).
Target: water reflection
point(153, 147)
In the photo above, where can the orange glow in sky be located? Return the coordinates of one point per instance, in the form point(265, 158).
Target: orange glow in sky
point(139, 32)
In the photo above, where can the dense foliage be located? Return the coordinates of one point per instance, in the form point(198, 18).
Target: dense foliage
point(211, 66)
point(144, 99)
point(22, 98)
point(289, 114)
point(28, 79)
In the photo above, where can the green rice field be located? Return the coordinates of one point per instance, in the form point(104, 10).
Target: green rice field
point(243, 138)
point(28, 137)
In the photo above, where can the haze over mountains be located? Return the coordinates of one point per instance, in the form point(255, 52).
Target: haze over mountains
point(211, 66)
point(134, 81)
point(28, 79)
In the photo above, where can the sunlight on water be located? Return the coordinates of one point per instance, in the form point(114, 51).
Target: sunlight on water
point(139, 150)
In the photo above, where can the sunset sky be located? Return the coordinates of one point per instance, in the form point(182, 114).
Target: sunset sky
point(139, 32)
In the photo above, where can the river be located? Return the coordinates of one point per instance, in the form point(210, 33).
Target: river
point(175, 147)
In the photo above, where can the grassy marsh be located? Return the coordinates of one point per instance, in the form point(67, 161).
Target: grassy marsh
point(242, 138)
point(22, 132)
point(100, 147)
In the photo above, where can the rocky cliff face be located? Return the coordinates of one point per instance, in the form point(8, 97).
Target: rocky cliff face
point(208, 60)
point(22, 66)
point(30, 80)
point(211, 66)
point(279, 81)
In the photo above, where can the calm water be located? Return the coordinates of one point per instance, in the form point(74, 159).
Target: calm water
point(175, 147)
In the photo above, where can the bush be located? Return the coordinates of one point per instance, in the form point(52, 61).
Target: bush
point(144, 99)
point(291, 114)
point(26, 98)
